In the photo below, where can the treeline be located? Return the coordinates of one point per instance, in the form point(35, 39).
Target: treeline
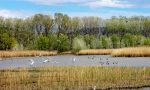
point(63, 33)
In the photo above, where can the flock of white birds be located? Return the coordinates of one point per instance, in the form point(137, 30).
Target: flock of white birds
point(32, 62)
point(102, 61)
point(106, 62)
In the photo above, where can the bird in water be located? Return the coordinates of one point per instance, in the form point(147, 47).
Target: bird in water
point(101, 63)
point(106, 58)
point(31, 61)
point(93, 57)
point(100, 59)
point(74, 59)
point(55, 62)
point(45, 61)
point(107, 62)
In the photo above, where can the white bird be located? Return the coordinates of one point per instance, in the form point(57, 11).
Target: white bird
point(45, 61)
point(31, 61)
point(56, 62)
point(74, 59)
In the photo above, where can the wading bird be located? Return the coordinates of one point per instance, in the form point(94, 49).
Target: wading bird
point(31, 61)
point(106, 58)
point(93, 57)
point(107, 62)
point(101, 63)
point(100, 59)
point(45, 61)
point(74, 59)
point(55, 62)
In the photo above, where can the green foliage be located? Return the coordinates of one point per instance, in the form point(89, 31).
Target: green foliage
point(87, 39)
point(43, 32)
point(42, 43)
point(53, 41)
point(115, 41)
point(78, 44)
point(147, 41)
point(6, 42)
point(62, 43)
point(95, 43)
point(128, 40)
point(106, 42)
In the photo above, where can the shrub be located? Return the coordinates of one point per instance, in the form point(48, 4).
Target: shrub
point(62, 43)
point(115, 41)
point(78, 44)
point(7, 42)
point(147, 41)
point(42, 43)
point(106, 42)
point(129, 40)
point(52, 42)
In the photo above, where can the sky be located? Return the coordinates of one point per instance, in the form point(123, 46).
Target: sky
point(100, 8)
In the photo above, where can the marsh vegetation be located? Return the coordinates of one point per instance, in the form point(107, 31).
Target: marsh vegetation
point(62, 78)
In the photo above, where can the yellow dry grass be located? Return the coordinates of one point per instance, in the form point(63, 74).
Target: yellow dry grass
point(74, 78)
point(95, 52)
point(26, 53)
point(132, 52)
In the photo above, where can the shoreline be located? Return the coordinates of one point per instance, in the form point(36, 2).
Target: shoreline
point(122, 52)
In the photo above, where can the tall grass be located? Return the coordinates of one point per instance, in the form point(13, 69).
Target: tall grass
point(95, 52)
point(26, 53)
point(73, 78)
point(132, 52)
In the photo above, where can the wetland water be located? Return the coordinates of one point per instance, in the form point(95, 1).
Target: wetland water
point(71, 60)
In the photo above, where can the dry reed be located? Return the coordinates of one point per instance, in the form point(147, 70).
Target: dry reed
point(95, 52)
point(132, 52)
point(76, 78)
point(26, 53)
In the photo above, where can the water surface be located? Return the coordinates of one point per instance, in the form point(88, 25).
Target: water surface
point(71, 60)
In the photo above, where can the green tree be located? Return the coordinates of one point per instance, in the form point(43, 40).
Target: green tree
point(62, 43)
point(42, 43)
point(115, 41)
point(7, 42)
point(53, 41)
point(147, 41)
point(78, 44)
point(106, 42)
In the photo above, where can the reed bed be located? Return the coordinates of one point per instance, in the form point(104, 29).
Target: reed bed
point(74, 78)
point(26, 53)
point(132, 52)
point(95, 52)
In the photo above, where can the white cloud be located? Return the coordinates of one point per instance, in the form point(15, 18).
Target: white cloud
point(12, 14)
point(20, 14)
point(50, 2)
point(109, 3)
point(90, 3)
